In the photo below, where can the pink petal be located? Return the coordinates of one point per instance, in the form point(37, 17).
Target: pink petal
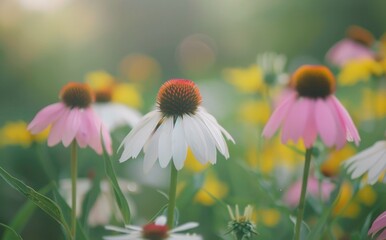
point(351, 131)
point(382, 236)
point(340, 139)
point(295, 122)
point(57, 129)
point(378, 224)
point(310, 131)
point(45, 117)
point(71, 126)
point(107, 140)
point(94, 127)
point(346, 50)
point(278, 115)
point(325, 122)
point(83, 136)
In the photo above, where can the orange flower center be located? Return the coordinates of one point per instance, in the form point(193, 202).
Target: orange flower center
point(104, 95)
point(177, 97)
point(77, 95)
point(360, 35)
point(313, 81)
point(155, 232)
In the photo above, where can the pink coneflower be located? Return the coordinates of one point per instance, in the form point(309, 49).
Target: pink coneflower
point(72, 119)
point(379, 226)
point(310, 108)
point(178, 122)
point(356, 45)
point(314, 188)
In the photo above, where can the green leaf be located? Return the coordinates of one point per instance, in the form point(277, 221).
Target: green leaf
point(80, 235)
point(23, 215)
point(89, 201)
point(43, 202)
point(119, 196)
point(304, 228)
point(11, 230)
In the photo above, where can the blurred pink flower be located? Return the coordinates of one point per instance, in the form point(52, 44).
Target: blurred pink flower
point(292, 196)
point(378, 225)
point(72, 119)
point(310, 108)
point(356, 45)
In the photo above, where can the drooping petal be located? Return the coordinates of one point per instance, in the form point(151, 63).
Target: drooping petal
point(295, 122)
point(310, 130)
point(71, 126)
point(378, 224)
point(151, 151)
point(184, 227)
point(278, 115)
point(165, 142)
point(365, 154)
point(340, 139)
point(45, 117)
point(195, 139)
point(114, 115)
point(179, 146)
point(214, 121)
point(351, 131)
point(325, 122)
point(211, 151)
point(57, 129)
point(377, 168)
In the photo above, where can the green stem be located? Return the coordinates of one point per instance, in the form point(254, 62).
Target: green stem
point(302, 201)
point(172, 196)
point(74, 170)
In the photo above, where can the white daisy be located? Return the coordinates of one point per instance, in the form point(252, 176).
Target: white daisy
point(178, 122)
point(153, 231)
point(371, 160)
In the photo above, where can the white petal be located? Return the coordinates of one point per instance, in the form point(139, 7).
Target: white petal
point(114, 115)
point(165, 142)
point(360, 167)
point(378, 146)
point(214, 121)
point(184, 227)
point(210, 142)
point(179, 146)
point(151, 151)
point(184, 237)
point(118, 229)
point(160, 221)
point(377, 169)
point(137, 138)
point(195, 139)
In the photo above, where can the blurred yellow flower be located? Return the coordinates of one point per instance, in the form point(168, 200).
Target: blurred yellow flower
point(273, 154)
point(331, 167)
point(16, 133)
point(255, 112)
point(359, 70)
point(107, 89)
point(270, 217)
point(344, 207)
point(373, 105)
point(192, 164)
point(128, 94)
point(140, 68)
point(211, 189)
point(247, 80)
point(367, 195)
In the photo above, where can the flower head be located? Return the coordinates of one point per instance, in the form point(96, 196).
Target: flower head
point(310, 108)
point(371, 161)
point(379, 226)
point(72, 119)
point(356, 45)
point(242, 226)
point(16, 133)
point(154, 231)
point(178, 122)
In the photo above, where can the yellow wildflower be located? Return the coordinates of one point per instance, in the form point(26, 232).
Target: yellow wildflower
point(212, 188)
point(100, 80)
point(367, 195)
point(128, 94)
point(192, 164)
point(255, 112)
point(359, 70)
point(247, 80)
point(16, 133)
point(270, 217)
point(373, 105)
point(344, 206)
point(331, 167)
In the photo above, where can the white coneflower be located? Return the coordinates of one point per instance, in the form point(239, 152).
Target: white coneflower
point(178, 122)
point(371, 160)
point(273, 66)
point(154, 231)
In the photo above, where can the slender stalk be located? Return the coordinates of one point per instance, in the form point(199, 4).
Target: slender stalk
point(306, 171)
point(74, 172)
point(172, 196)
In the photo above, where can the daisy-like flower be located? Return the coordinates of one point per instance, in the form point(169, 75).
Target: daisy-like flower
point(356, 45)
point(379, 226)
point(72, 119)
point(273, 66)
point(178, 122)
point(371, 161)
point(113, 113)
point(154, 231)
point(242, 226)
point(310, 108)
